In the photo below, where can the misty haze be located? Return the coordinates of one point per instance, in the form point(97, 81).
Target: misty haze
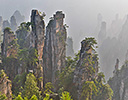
point(64, 50)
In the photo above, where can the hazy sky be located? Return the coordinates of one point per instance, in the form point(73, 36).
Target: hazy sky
point(81, 15)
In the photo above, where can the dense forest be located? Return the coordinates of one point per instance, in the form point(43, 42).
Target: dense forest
point(37, 62)
point(34, 65)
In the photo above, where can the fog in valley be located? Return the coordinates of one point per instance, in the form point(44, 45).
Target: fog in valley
point(106, 20)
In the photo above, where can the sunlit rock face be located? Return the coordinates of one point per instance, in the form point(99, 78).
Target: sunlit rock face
point(5, 85)
point(9, 51)
point(37, 40)
point(19, 18)
point(8, 46)
point(54, 48)
point(69, 47)
point(13, 23)
point(81, 73)
point(38, 31)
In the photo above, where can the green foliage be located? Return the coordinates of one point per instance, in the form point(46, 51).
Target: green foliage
point(101, 77)
point(47, 97)
point(30, 87)
point(67, 74)
point(66, 96)
point(19, 81)
point(28, 57)
point(15, 47)
point(66, 78)
point(90, 42)
point(23, 54)
point(88, 89)
point(3, 74)
point(32, 57)
point(34, 97)
point(24, 26)
point(3, 97)
point(7, 29)
point(19, 97)
point(48, 88)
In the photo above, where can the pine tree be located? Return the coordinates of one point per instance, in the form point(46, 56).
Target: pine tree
point(30, 87)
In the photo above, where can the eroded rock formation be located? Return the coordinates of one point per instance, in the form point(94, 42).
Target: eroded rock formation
point(54, 48)
point(38, 31)
point(9, 53)
point(5, 85)
point(51, 49)
point(119, 82)
point(9, 46)
point(81, 73)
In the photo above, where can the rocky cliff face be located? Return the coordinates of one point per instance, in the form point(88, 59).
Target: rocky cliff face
point(9, 51)
point(54, 48)
point(119, 82)
point(38, 31)
point(51, 49)
point(5, 85)
point(9, 46)
point(81, 73)
point(37, 41)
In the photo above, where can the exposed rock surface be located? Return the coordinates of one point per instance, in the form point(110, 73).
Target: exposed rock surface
point(38, 31)
point(111, 49)
point(119, 83)
point(9, 47)
point(5, 85)
point(81, 74)
point(51, 49)
point(9, 51)
point(54, 48)
point(23, 36)
point(69, 47)
point(116, 67)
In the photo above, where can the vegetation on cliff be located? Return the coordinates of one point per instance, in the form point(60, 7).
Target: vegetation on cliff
point(38, 74)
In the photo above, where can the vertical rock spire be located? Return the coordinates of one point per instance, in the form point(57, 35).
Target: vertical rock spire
point(55, 47)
